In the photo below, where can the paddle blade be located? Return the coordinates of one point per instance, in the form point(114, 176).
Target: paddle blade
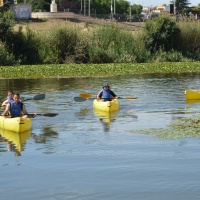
point(45, 114)
point(36, 97)
point(39, 97)
point(79, 99)
point(85, 95)
point(49, 114)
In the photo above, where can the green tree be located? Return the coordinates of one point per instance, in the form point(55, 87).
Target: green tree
point(181, 5)
point(161, 33)
point(122, 7)
point(40, 5)
point(136, 9)
point(7, 22)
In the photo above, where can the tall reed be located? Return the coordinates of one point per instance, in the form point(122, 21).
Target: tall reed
point(59, 44)
point(111, 43)
point(189, 38)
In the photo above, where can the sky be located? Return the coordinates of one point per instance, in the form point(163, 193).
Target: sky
point(160, 2)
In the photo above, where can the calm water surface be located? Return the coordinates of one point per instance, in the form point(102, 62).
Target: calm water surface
point(81, 154)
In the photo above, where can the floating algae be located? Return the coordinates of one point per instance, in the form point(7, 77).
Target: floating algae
point(178, 129)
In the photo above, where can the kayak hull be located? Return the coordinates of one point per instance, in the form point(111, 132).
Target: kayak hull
point(17, 124)
point(192, 94)
point(106, 106)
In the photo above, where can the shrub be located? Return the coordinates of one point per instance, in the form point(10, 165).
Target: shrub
point(59, 45)
point(111, 43)
point(6, 58)
point(6, 24)
point(24, 46)
point(170, 56)
point(189, 39)
point(161, 32)
point(141, 53)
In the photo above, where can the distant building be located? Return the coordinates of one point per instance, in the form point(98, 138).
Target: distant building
point(1, 3)
point(151, 11)
point(21, 11)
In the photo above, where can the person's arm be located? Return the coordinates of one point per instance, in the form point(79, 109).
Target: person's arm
point(5, 103)
point(7, 109)
point(100, 94)
point(113, 94)
point(26, 113)
point(24, 110)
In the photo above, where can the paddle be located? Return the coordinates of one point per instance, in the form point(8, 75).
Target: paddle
point(36, 97)
point(87, 96)
point(45, 114)
point(80, 99)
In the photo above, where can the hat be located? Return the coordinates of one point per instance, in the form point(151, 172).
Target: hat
point(105, 84)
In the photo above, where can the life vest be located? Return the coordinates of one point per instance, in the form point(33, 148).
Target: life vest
point(106, 95)
point(15, 109)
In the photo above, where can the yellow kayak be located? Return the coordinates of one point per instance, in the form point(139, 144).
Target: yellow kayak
point(17, 139)
point(107, 106)
point(17, 124)
point(192, 94)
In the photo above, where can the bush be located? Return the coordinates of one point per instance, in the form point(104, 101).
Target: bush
point(59, 45)
point(6, 58)
point(24, 46)
point(6, 24)
point(141, 53)
point(170, 56)
point(161, 33)
point(111, 43)
point(189, 39)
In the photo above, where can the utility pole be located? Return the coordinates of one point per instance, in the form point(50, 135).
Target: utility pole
point(111, 9)
point(89, 8)
point(84, 7)
point(114, 7)
point(81, 6)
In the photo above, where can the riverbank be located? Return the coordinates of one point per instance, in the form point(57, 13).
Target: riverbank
point(62, 42)
point(95, 70)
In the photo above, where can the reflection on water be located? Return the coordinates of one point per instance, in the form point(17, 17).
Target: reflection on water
point(47, 136)
point(82, 113)
point(68, 157)
point(195, 101)
point(106, 118)
point(15, 141)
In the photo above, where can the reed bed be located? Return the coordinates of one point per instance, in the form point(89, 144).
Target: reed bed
point(161, 40)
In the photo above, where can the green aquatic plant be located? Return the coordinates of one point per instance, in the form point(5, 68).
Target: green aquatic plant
point(96, 70)
point(178, 129)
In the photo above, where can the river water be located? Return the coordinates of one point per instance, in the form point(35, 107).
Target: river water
point(81, 154)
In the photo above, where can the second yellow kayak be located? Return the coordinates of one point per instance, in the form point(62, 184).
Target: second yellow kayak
point(192, 94)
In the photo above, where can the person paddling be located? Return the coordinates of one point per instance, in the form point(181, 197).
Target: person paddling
point(106, 93)
point(16, 108)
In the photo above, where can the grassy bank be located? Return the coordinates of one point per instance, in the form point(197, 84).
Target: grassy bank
point(88, 70)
